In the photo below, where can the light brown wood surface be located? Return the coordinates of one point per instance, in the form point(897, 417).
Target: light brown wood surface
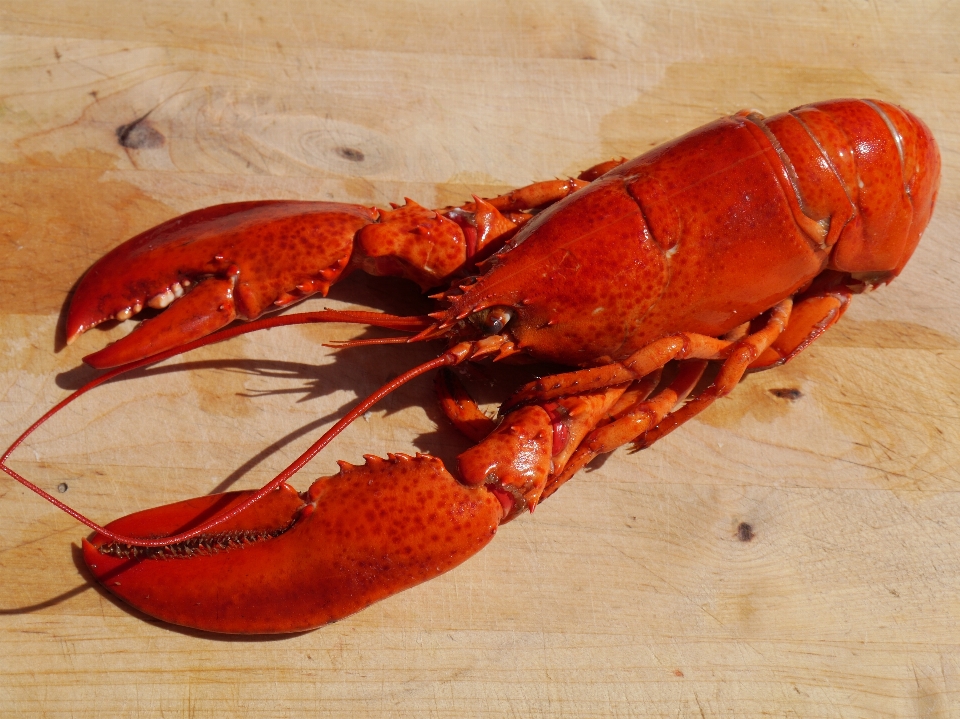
point(629, 593)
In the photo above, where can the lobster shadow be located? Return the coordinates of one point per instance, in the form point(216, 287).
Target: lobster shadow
point(342, 372)
point(58, 599)
point(489, 383)
point(311, 383)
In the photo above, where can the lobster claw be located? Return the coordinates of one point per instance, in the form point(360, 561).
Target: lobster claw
point(295, 562)
point(214, 265)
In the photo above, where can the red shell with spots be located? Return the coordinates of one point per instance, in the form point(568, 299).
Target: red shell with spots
point(289, 564)
point(712, 229)
point(278, 245)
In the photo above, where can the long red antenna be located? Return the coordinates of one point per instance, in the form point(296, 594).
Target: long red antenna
point(415, 323)
point(325, 316)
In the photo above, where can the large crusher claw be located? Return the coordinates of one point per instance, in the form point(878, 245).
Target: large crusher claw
point(294, 562)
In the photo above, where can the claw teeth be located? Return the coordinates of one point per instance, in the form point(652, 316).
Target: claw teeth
point(158, 302)
point(128, 312)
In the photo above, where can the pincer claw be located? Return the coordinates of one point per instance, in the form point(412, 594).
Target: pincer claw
point(294, 562)
point(243, 258)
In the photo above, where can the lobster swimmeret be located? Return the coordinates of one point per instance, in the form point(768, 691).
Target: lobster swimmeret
point(740, 243)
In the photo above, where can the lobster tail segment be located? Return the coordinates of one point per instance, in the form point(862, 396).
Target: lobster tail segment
point(295, 562)
point(867, 173)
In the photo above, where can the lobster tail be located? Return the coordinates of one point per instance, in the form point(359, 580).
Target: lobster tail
point(868, 172)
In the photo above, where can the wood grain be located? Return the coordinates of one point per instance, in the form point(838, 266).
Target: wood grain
point(789, 554)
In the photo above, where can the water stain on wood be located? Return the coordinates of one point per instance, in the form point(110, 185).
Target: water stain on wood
point(774, 393)
point(59, 216)
point(765, 396)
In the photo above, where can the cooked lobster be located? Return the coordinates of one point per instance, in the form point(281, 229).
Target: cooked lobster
point(739, 243)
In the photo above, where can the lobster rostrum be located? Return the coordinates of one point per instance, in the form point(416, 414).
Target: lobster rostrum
point(739, 243)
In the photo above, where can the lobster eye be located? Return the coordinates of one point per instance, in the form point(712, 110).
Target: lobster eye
point(496, 319)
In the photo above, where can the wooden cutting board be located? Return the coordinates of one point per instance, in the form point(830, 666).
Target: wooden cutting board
point(794, 552)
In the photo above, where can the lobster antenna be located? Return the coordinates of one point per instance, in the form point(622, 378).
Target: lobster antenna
point(404, 323)
point(413, 323)
point(410, 324)
point(347, 344)
point(441, 361)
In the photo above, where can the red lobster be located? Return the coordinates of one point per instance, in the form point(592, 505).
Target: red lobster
point(740, 242)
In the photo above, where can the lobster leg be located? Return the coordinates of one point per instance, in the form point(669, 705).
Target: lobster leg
point(684, 345)
point(571, 419)
point(537, 194)
point(541, 194)
point(743, 353)
point(460, 408)
point(600, 169)
point(631, 421)
point(575, 418)
point(688, 345)
point(810, 318)
point(652, 419)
